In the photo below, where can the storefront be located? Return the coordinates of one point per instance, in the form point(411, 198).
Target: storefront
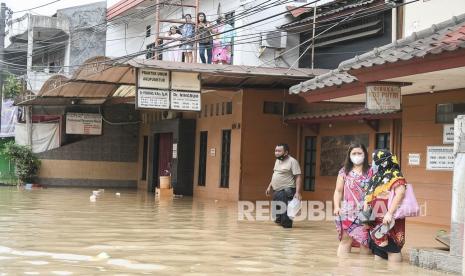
point(429, 70)
point(221, 147)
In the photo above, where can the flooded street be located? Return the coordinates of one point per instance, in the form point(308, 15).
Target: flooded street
point(57, 231)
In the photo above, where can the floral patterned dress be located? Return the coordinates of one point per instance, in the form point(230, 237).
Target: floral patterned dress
point(352, 204)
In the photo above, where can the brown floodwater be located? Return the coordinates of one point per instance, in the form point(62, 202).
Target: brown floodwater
point(58, 231)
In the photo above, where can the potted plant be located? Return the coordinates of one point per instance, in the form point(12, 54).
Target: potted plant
point(26, 162)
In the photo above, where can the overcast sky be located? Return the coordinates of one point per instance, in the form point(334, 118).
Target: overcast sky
point(18, 5)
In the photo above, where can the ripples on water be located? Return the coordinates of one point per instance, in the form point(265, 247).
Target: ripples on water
point(58, 231)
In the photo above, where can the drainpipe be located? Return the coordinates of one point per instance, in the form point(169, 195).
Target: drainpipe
point(313, 35)
point(458, 189)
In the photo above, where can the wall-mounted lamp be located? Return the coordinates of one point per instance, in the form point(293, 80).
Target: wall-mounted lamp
point(431, 88)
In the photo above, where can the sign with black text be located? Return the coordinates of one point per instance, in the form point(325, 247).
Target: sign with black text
point(383, 97)
point(148, 78)
point(181, 100)
point(440, 158)
point(153, 98)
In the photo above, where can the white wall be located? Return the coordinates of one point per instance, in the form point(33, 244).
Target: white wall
point(424, 13)
point(246, 49)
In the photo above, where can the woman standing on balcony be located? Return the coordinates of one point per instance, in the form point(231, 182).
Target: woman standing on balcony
point(174, 51)
point(188, 33)
point(205, 38)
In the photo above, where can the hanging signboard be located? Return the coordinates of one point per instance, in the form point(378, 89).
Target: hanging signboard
point(181, 100)
point(149, 78)
point(84, 123)
point(383, 97)
point(153, 98)
point(185, 81)
point(440, 158)
point(448, 134)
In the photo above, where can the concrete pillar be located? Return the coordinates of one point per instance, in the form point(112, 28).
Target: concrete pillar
point(66, 63)
point(458, 189)
point(30, 43)
point(28, 110)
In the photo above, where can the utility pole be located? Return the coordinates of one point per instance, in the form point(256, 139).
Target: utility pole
point(2, 48)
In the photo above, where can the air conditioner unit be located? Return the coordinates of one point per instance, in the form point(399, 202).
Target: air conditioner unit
point(274, 39)
point(168, 114)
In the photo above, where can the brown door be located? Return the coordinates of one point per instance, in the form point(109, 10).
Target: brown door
point(165, 153)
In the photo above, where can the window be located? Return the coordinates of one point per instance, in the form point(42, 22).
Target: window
point(148, 31)
point(203, 158)
point(383, 141)
point(229, 108)
point(446, 113)
point(149, 53)
point(277, 108)
point(144, 158)
point(211, 110)
point(217, 109)
point(223, 108)
point(205, 111)
point(309, 163)
point(225, 158)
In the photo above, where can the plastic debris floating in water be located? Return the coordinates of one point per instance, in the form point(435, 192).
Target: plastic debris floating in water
point(93, 198)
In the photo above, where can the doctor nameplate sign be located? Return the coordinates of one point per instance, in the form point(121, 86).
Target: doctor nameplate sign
point(189, 101)
point(148, 78)
point(440, 158)
point(383, 97)
point(153, 98)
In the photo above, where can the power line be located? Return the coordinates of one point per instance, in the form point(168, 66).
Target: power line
point(41, 6)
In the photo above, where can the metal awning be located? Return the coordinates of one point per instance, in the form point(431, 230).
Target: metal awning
point(100, 78)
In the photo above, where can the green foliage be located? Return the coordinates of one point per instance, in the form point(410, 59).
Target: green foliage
point(26, 162)
point(12, 87)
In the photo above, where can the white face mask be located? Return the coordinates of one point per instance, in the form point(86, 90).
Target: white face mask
point(357, 159)
point(374, 167)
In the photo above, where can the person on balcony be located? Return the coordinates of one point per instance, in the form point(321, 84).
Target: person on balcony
point(222, 42)
point(188, 33)
point(205, 38)
point(174, 51)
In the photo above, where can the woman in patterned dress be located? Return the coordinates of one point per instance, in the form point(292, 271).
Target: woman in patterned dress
point(387, 234)
point(348, 200)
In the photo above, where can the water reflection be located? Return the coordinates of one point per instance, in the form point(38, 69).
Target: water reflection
point(59, 232)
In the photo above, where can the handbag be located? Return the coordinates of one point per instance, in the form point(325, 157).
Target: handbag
point(408, 207)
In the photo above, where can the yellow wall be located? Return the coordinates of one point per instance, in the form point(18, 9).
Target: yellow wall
point(260, 134)
point(214, 125)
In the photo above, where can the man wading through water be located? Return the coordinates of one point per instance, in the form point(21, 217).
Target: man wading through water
point(284, 183)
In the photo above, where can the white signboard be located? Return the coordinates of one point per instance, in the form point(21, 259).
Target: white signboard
point(448, 134)
point(440, 158)
point(185, 81)
point(414, 159)
point(149, 78)
point(213, 152)
point(383, 97)
point(175, 150)
point(152, 98)
point(84, 123)
point(185, 101)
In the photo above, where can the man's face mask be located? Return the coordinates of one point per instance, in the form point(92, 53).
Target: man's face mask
point(280, 154)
